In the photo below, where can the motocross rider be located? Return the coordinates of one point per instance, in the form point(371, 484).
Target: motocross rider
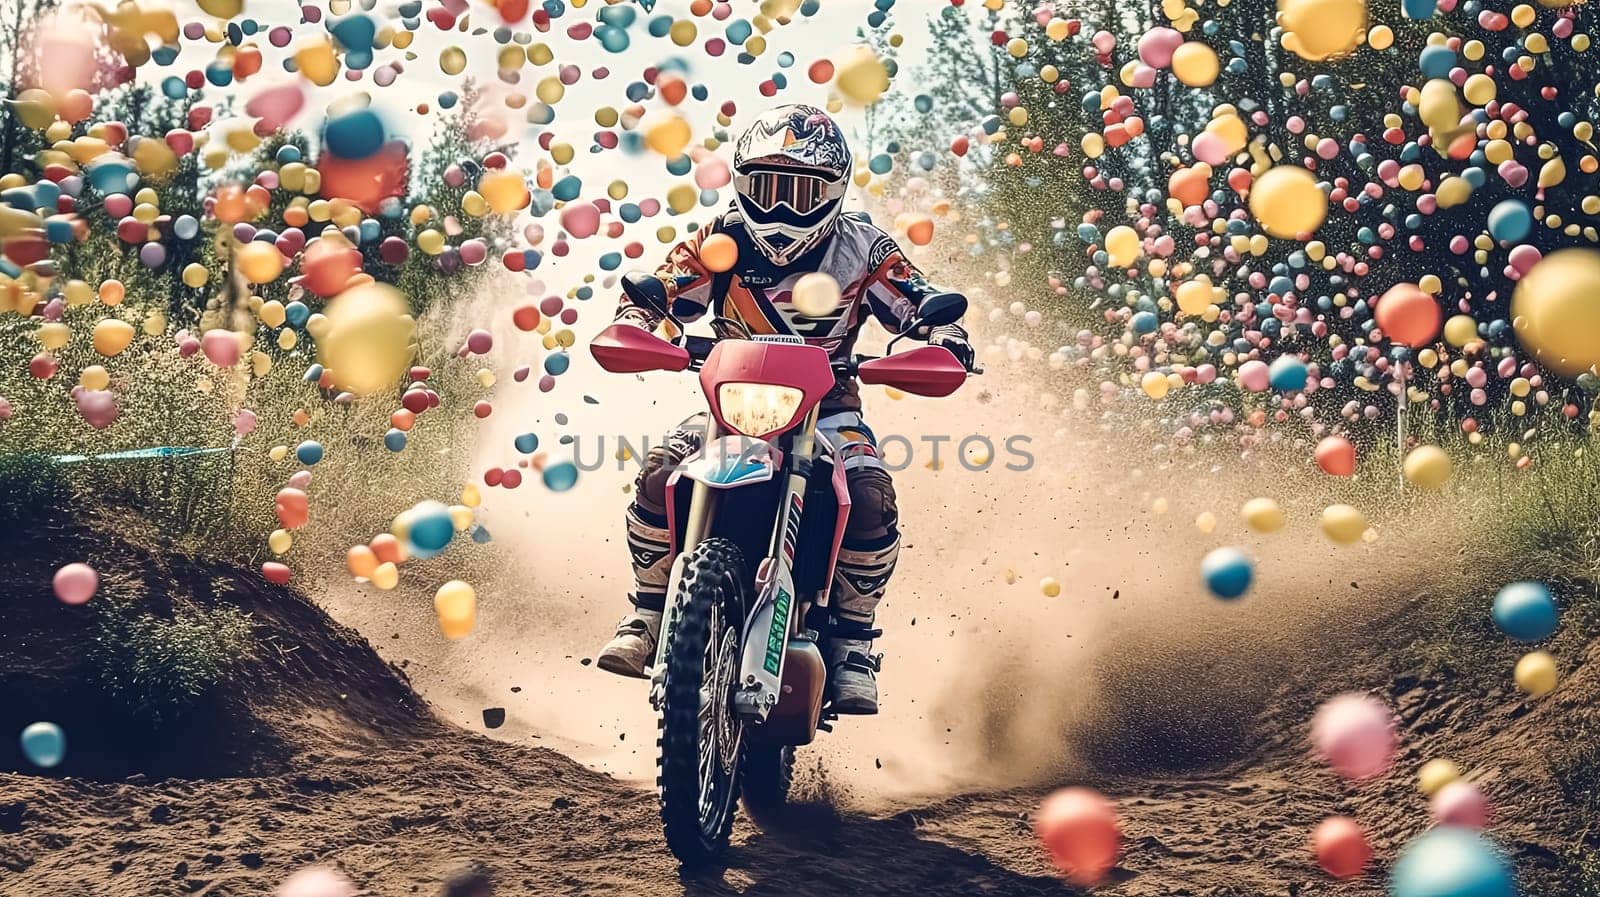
point(791, 170)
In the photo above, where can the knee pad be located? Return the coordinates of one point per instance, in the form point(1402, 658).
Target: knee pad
point(873, 514)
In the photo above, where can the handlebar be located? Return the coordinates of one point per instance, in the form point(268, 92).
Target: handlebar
point(699, 347)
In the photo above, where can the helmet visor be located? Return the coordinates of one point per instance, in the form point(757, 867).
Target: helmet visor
point(800, 193)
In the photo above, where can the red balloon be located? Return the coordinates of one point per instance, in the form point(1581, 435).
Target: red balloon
point(1408, 316)
point(1079, 828)
point(1341, 847)
point(275, 572)
point(1336, 456)
point(328, 265)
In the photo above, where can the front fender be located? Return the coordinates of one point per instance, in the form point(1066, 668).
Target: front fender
point(732, 461)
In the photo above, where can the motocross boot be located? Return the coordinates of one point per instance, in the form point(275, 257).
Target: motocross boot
point(631, 650)
point(858, 583)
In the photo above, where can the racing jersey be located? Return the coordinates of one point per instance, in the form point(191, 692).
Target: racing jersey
point(874, 276)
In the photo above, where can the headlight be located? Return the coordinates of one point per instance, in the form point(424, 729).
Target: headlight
point(757, 409)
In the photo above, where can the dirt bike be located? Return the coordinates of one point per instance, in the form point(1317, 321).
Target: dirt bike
point(738, 679)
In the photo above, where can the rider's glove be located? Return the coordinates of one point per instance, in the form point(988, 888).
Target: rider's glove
point(954, 339)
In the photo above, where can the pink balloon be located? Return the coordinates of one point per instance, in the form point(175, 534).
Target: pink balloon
point(1209, 148)
point(1156, 46)
point(317, 881)
point(118, 205)
point(1254, 376)
point(1355, 734)
point(711, 174)
point(1079, 828)
point(244, 422)
point(221, 347)
point(98, 406)
point(1460, 803)
point(580, 220)
point(276, 106)
point(76, 583)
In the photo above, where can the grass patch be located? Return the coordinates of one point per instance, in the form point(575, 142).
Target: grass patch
point(160, 667)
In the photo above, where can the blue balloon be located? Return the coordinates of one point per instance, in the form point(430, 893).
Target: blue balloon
point(308, 452)
point(354, 135)
point(297, 312)
point(313, 373)
point(556, 364)
point(527, 443)
point(431, 528)
point(1227, 572)
point(1451, 862)
point(1287, 373)
point(1510, 220)
point(1526, 611)
point(561, 476)
point(44, 744)
point(394, 440)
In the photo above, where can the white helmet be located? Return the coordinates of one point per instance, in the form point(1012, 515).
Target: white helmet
point(790, 171)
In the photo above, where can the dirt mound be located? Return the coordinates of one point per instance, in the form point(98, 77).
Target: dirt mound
point(298, 678)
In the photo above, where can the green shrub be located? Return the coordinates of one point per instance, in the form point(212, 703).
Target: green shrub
point(160, 667)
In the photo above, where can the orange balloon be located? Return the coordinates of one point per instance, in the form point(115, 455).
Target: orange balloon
point(362, 561)
point(1336, 456)
point(1189, 185)
point(292, 508)
point(1408, 316)
point(718, 253)
point(1341, 847)
point(920, 230)
point(1079, 828)
point(112, 292)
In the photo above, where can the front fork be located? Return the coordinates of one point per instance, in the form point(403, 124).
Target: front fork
point(774, 616)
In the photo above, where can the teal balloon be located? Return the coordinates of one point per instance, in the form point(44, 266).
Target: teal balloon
point(1227, 572)
point(431, 528)
point(1510, 220)
point(44, 744)
point(1526, 611)
point(561, 476)
point(308, 452)
point(1451, 862)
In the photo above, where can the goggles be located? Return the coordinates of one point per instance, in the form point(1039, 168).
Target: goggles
point(801, 193)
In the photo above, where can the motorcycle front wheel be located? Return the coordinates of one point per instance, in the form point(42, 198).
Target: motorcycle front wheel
point(701, 745)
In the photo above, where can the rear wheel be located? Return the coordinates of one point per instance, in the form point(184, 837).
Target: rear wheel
point(702, 745)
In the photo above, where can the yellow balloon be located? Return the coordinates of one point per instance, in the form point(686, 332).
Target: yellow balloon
point(1343, 524)
point(666, 132)
point(1436, 774)
point(682, 197)
point(272, 313)
point(815, 295)
point(1287, 202)
point(315, 61)
point(457, 606)
point(367, 342)
point(259, 262)
point(1427, 467)
point(1460, 330)
point(860, 76)
point(94, 377)
point(195, 275)
point(1536, 673)
point(1195, 64)
point(1381, 37)
point(1122, 245)
point(386, 576)
point(1262, 515)
point(453, 60)
point(1050, 587)
point(1555, 314)
point(1155, 385)
point(1479, 89)
point(505, 191)
point(1194, 296)
point(111, 336)
point(431, 242)
point(280, 541)
point(1321, 30)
